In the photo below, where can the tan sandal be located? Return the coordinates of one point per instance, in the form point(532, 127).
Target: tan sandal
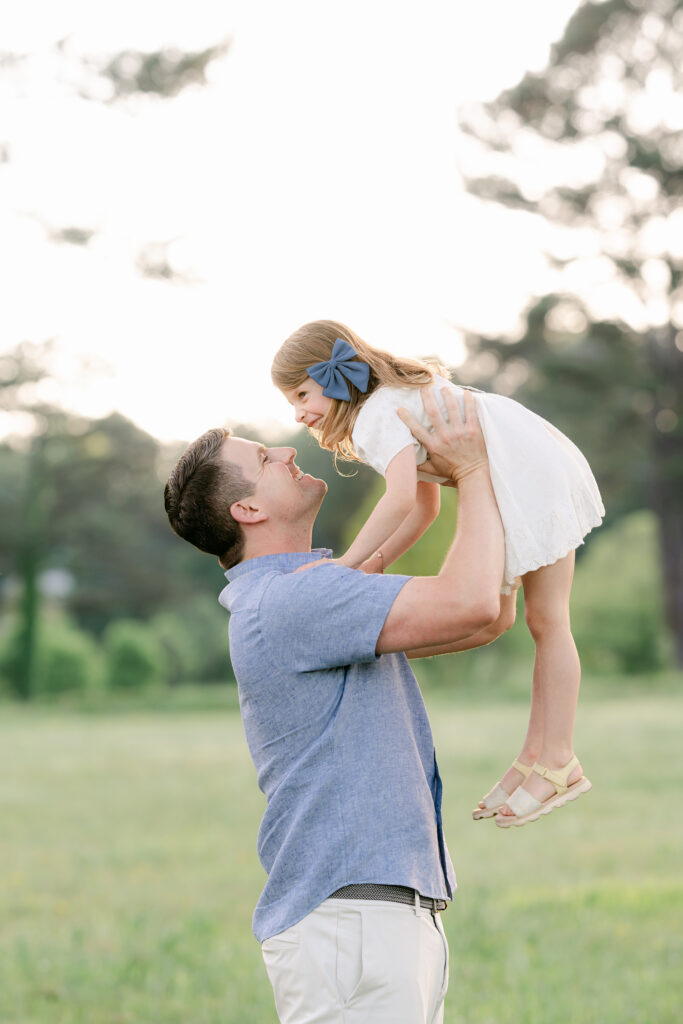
point(526, 807)
point(497, 796)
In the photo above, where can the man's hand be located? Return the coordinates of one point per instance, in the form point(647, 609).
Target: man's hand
point(456, 445)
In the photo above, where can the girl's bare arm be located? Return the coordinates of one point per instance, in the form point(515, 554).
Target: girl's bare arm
point(423, 514)
point(390, 512)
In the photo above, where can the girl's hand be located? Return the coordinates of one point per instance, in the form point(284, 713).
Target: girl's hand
point(319, 561)
point(373, 564)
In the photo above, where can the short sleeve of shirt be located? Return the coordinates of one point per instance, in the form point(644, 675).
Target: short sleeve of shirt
point(327, 617)
point(378, 433)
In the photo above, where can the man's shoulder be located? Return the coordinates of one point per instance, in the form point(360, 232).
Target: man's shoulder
point(247, 591)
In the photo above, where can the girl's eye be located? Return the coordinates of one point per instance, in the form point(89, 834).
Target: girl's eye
point(302, 394)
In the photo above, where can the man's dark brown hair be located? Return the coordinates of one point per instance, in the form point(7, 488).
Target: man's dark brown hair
point(198, 496)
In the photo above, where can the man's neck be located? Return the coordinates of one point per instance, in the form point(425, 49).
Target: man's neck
point(276, 543)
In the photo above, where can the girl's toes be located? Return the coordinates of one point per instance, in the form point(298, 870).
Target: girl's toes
point(505, 810)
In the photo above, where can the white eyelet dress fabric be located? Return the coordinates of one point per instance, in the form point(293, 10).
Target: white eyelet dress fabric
point(546, 492)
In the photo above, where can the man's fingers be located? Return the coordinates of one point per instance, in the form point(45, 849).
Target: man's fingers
point(453, 406)
point(469, 408)
point(433, 410)
point(454, 425)
point(415, 428)
point(431, 406)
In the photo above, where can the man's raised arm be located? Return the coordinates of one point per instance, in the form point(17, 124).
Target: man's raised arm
point(465, 597)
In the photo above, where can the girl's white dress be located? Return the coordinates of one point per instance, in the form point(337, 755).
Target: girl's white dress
point(546, 492)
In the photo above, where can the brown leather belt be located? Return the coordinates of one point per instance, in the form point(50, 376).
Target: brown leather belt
point(389, 893)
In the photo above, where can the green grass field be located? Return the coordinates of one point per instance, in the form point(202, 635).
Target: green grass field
point(128, 871)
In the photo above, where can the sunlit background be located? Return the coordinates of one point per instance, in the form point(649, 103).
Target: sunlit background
point(175, 239)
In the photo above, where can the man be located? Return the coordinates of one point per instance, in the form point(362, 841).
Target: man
point(351, 839)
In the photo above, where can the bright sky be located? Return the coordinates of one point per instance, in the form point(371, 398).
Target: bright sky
point(315, 176)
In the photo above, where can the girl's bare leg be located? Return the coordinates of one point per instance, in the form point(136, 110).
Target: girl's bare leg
point(557, 675)
point(532, 743)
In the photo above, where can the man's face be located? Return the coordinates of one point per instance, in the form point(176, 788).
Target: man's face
point(281, 489)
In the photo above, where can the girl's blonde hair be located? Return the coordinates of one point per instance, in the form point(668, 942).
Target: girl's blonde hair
point(313, 343)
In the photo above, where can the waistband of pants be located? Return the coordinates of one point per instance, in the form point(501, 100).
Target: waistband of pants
point(389, 893)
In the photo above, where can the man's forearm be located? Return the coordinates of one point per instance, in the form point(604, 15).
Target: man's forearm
point(465, 597)
point(475, 560)
point(485, 636)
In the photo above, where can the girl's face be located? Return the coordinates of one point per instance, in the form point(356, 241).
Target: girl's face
point(309, 402)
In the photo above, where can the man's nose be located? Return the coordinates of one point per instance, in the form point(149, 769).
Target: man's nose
point(284, 454)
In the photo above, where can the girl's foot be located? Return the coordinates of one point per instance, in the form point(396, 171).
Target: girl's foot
point(491, 803)
point(547, 787)
point(513, 777)
point(539, 787)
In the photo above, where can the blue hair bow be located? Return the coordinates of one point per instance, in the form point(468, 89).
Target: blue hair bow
point(342, 364)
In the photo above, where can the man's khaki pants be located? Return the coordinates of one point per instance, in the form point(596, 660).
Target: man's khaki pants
point(360, 962)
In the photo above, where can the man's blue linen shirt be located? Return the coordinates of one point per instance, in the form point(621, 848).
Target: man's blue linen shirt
point(339, 736)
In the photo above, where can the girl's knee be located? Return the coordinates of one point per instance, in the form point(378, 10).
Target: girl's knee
point(542, 619)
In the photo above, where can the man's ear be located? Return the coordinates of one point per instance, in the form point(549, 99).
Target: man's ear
point(244, 512)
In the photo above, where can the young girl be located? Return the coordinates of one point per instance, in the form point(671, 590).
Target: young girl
point(347, 392)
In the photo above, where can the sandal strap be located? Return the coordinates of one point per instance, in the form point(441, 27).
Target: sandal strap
point(557, 776)
point(522, 802)
point(495, 797)
point(523, 769)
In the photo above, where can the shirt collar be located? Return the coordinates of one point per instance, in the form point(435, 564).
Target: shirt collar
point(288, 561)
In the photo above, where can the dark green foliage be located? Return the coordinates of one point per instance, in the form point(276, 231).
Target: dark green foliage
point(617, 600)
point(194, 638)
point(134, 658)
point(66, 660)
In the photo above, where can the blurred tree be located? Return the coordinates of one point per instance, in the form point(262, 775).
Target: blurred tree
point(128, 76)
point(608, 108)
point(84, 498)
point(22, 498)
point(163, 73)
point(66, 658)
point(134, 657)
